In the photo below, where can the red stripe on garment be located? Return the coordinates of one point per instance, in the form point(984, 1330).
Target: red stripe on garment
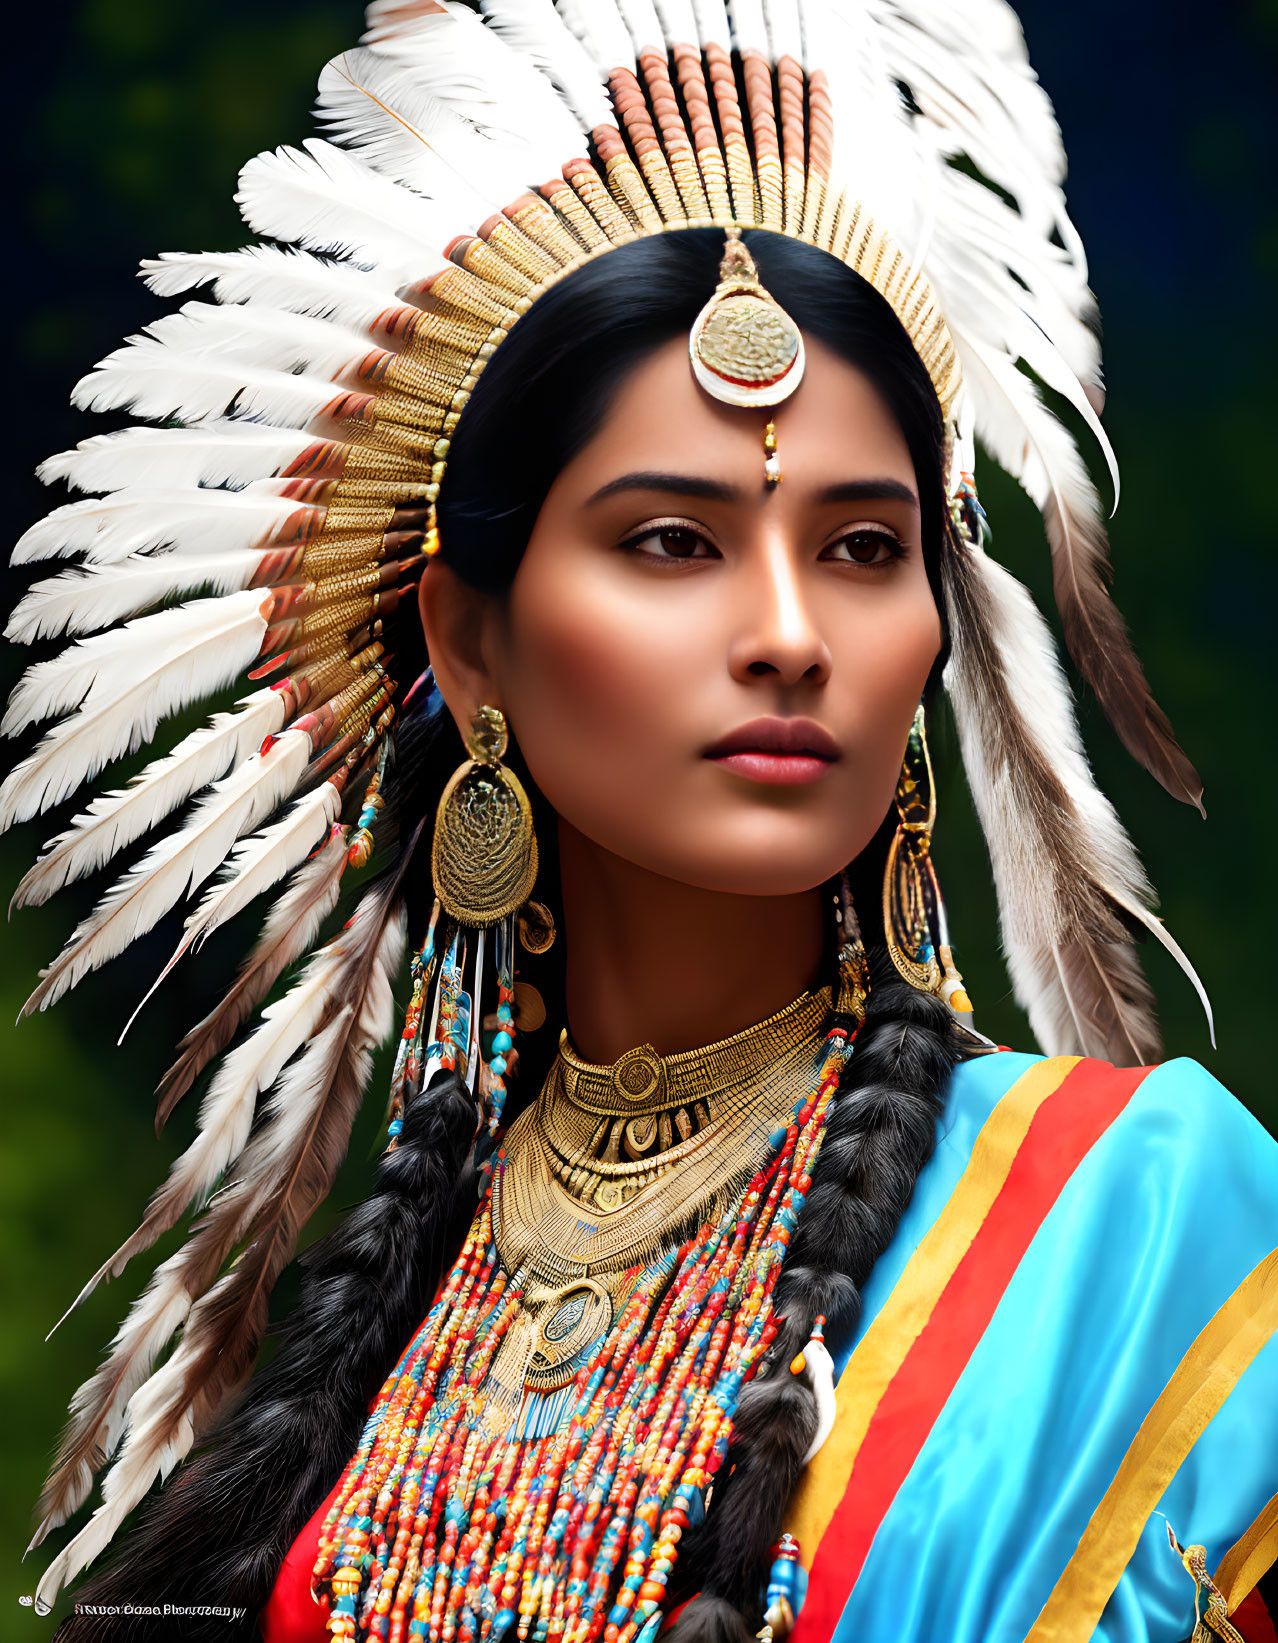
point(1252, 1619)
point(1062, 1132)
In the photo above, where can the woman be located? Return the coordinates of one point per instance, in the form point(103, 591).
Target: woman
point(702, 549)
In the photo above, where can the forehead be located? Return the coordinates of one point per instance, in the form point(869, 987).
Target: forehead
point(836, 425)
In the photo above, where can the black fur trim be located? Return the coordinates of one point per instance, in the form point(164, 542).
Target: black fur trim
point(708, 1619)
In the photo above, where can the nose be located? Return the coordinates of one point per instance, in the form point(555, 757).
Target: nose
point(779, 632)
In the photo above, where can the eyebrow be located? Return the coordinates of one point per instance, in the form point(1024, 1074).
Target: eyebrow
point(715, 490)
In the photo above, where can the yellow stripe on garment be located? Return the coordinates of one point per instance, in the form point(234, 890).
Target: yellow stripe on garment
point(1204, 1378)
point(883, 1348)
point(1248, 1558)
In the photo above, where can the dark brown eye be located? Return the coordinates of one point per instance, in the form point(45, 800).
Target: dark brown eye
point(868, 547)
point(671, 542)
point(680, 544)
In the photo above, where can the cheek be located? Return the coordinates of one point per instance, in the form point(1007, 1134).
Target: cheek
point(599, 687)
point(882, 658)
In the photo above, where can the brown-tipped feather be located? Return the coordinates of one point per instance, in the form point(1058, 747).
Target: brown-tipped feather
point(1059, 854)
point(1099, 642)
point(290, 927)
point(261, 1213)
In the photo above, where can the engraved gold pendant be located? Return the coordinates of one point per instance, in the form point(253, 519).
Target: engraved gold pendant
point(745, 349)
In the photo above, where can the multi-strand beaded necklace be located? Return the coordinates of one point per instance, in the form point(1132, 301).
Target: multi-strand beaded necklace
point(453, 1521)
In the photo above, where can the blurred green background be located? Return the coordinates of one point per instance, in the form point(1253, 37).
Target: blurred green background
point(138, 114)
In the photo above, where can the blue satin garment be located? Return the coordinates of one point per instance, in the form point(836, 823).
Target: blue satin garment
point(1163, 1218)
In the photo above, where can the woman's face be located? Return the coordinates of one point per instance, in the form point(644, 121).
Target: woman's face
point(709, 678)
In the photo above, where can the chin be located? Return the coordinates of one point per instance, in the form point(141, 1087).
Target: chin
point(752, 871)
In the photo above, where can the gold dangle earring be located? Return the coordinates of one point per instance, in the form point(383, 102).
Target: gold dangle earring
point(484, 858)
point(484, 866)
point(914, 924)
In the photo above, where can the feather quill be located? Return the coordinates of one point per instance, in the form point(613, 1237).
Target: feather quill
point(114, 820)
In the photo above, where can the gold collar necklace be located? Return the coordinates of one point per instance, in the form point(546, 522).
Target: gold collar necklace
point(602, 1179)
point(611, 1158)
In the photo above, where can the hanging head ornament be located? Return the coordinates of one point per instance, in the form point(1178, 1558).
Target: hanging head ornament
point(745, 349)
point(274, 523)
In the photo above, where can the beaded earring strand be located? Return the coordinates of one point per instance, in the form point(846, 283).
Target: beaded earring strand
point(442, 1027)
point(447, 1527)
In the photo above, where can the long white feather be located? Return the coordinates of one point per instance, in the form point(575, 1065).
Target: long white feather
point(106, 529)
point(146, 661)
point(136, 692)
point(226, 1112)
point(114, 820)
point(785, 30)
point(263, 336)
point(213, 453)
point(287, 934)
point(603, 35)
point(280, 277)
point(258, 863)
point(533, 31)
point(146, 377)
point(646, 32)
point(158, 1424)
point(713, 27)
point(177, 864)
point(97, 1409)
point(83, 600)
point(472, 71)
point(329, 200)
point(1031, 900)
point(392, 113)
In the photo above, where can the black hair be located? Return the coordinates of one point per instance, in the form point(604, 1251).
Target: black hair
point(219, 1532)
point(549, 385)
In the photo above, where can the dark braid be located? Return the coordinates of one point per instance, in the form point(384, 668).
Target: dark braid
point(880, 1133)
point(218, 1533)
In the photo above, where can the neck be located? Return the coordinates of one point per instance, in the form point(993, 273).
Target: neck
point(653, 961)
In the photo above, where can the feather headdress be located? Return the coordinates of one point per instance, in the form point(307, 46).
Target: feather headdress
point(473, 158)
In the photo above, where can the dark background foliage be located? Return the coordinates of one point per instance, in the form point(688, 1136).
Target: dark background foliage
point(134, 117)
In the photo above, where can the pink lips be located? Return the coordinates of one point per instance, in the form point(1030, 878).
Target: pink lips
point(778, 752)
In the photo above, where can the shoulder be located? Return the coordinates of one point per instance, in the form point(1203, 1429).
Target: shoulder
point(1174, 1124)
point(1091, 1256)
